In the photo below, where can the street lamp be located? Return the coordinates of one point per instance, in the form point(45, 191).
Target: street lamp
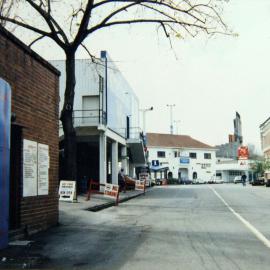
point(176, 125)
point(171, 116)
point(144, 112)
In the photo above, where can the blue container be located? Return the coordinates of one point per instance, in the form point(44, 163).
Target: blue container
point(5, 104)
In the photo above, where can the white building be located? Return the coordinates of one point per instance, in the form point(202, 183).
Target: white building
point(265, 138)
point(185, 157)
point(106, 119)
point(228, 169)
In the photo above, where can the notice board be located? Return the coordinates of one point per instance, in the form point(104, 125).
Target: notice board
point(36, 161)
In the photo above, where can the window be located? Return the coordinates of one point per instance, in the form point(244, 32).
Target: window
point(101, 84)
point(193, 155)
point(161, 154)
point(207, 156)
point(175, 153)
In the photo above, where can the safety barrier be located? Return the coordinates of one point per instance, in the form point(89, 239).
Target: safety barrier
point(110, 190)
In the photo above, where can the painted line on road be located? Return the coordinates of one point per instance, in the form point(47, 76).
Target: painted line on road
point(256, 232)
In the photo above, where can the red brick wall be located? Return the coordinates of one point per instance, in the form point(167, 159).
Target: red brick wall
point(35, 96)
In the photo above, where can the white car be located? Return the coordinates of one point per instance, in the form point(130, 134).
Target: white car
point(237, 179)
point(198, 181)
point(219, 181)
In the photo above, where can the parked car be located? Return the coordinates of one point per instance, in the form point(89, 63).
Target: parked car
point(237, 179)
point(198, 181)
point(258, 181)
point(219, 181)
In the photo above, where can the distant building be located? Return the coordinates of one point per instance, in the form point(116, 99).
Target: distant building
point(265, 138)
point(185, 157)
point(227, 169)
point(229, 150)
point(106, 120)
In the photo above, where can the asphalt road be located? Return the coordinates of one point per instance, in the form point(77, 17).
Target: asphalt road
point(175, 227)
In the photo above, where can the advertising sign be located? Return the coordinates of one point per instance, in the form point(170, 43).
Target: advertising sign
point(111, 190)
point(145, 177)
point(243, 152)
point(184, 160)
point(5, 105)
point(67, 191)
point(140, 185)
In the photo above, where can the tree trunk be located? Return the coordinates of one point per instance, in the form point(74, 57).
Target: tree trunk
point(70, 149)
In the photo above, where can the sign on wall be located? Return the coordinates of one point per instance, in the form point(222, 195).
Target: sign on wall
point(35, 168)
point(184, 160)
point(155, 163)
point(43, 169)
point(5, 104)
point(243, 153)
point(29, 168)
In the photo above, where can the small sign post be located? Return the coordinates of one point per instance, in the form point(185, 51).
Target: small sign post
point(140, 185)
point(112, 191)
point(67, 191)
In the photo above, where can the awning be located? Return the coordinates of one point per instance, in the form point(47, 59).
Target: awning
point(137, 151)
point(158, 168)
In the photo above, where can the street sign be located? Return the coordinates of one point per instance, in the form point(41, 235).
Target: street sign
point(5, 105)
point(155, 163)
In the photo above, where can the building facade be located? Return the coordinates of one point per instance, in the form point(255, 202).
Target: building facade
point(33, 180)
point(185, 157)
point(265, 138)
point(228, 169)
point(106, 119)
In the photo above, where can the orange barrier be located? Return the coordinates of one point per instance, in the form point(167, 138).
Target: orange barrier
point(110, 190)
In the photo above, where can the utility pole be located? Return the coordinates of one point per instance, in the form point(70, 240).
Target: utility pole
point(171, 116)
point(176, 125)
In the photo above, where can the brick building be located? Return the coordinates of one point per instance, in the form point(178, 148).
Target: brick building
point(33, 180)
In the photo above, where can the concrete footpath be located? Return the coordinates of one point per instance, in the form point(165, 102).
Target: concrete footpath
point(27, 253)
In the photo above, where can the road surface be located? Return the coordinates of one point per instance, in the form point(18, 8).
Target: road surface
point(194, 227)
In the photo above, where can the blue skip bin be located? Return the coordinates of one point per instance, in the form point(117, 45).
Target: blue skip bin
point(5, 104)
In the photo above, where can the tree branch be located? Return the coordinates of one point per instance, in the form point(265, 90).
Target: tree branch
point(97, 27)
point(26, 26)
point(35, 40)
point(50, 22)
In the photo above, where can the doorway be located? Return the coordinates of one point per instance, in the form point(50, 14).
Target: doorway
point(15, 176)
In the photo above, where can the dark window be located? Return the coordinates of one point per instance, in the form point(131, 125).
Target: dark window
point(161, 154)
point(207, 156)
point(193, 155)
point(175, 153)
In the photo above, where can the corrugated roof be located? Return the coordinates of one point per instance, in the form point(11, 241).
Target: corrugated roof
point(178, 141)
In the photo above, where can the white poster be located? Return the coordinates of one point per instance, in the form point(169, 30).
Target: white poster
point(43, 169)
point(29, 168)
point(67, 191)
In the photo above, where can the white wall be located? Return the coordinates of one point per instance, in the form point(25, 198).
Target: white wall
point(122, 101)
point(195, 165)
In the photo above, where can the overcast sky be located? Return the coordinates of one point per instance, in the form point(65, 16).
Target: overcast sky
point(207, 79)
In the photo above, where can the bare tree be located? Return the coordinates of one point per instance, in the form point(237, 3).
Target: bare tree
point(69, 22)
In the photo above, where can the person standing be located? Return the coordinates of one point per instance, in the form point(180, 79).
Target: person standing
point(243, 178)
point(121, 180)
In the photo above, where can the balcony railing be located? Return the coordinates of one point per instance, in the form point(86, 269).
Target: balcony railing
point(89, 118)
